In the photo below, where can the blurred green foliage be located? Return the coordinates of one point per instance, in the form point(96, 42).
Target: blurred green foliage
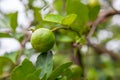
point(69, 20)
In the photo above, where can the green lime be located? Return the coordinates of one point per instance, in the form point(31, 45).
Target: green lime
point(76, 72)
point(93, 3)
point(42, 39)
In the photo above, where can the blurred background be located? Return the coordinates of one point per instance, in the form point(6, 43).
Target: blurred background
point(104, 49)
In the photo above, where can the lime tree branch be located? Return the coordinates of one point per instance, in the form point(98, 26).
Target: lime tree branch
point(101, 49)
point(101, 18)
point(27, 36)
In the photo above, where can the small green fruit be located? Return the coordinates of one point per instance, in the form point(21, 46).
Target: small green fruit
point(75, 69)
point(93, 3)
point(42, 39)
point(76, 72)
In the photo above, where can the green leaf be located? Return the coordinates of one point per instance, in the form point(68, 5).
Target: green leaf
point(81, 40)
point(30, 2)
point(28, 52)
point(12, 56)
point(22, 71)
point(45, 62)
point(68, 20)
point(4, 22)
point(5, 64)
point(37, 14)
point(13, 21)
point(19, 36)
point(65, 38)
point(58, 4)
point(93, 12)
point(34, 76)
point(92, 74)
point(44, 77)
point(3, 35)
point(68, 74)
point(81, 10)
point(58, 71)
point(53, 18)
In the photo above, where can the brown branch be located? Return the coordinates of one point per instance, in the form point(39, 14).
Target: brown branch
point(76, 54)
point(26, 39)
point(5, 76)
point(101, 49)
point(102, 17)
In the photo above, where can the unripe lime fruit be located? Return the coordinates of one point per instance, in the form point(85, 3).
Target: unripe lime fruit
point(75, 69)
point(93, 3)
point(42, 39)
point(76, 72)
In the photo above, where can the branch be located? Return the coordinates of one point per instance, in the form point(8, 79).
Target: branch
point(101, 49)
point(26, 39)
point(102, 17)
point(4, 76)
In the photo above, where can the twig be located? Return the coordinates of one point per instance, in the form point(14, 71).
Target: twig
point(101, 49)
point(5, 76)
point(100, 19)
point(110, 4)
point(26, 39)
point(76, 55)
point(57, 28)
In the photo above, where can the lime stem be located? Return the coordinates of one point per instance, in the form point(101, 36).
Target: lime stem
point(57, 28)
